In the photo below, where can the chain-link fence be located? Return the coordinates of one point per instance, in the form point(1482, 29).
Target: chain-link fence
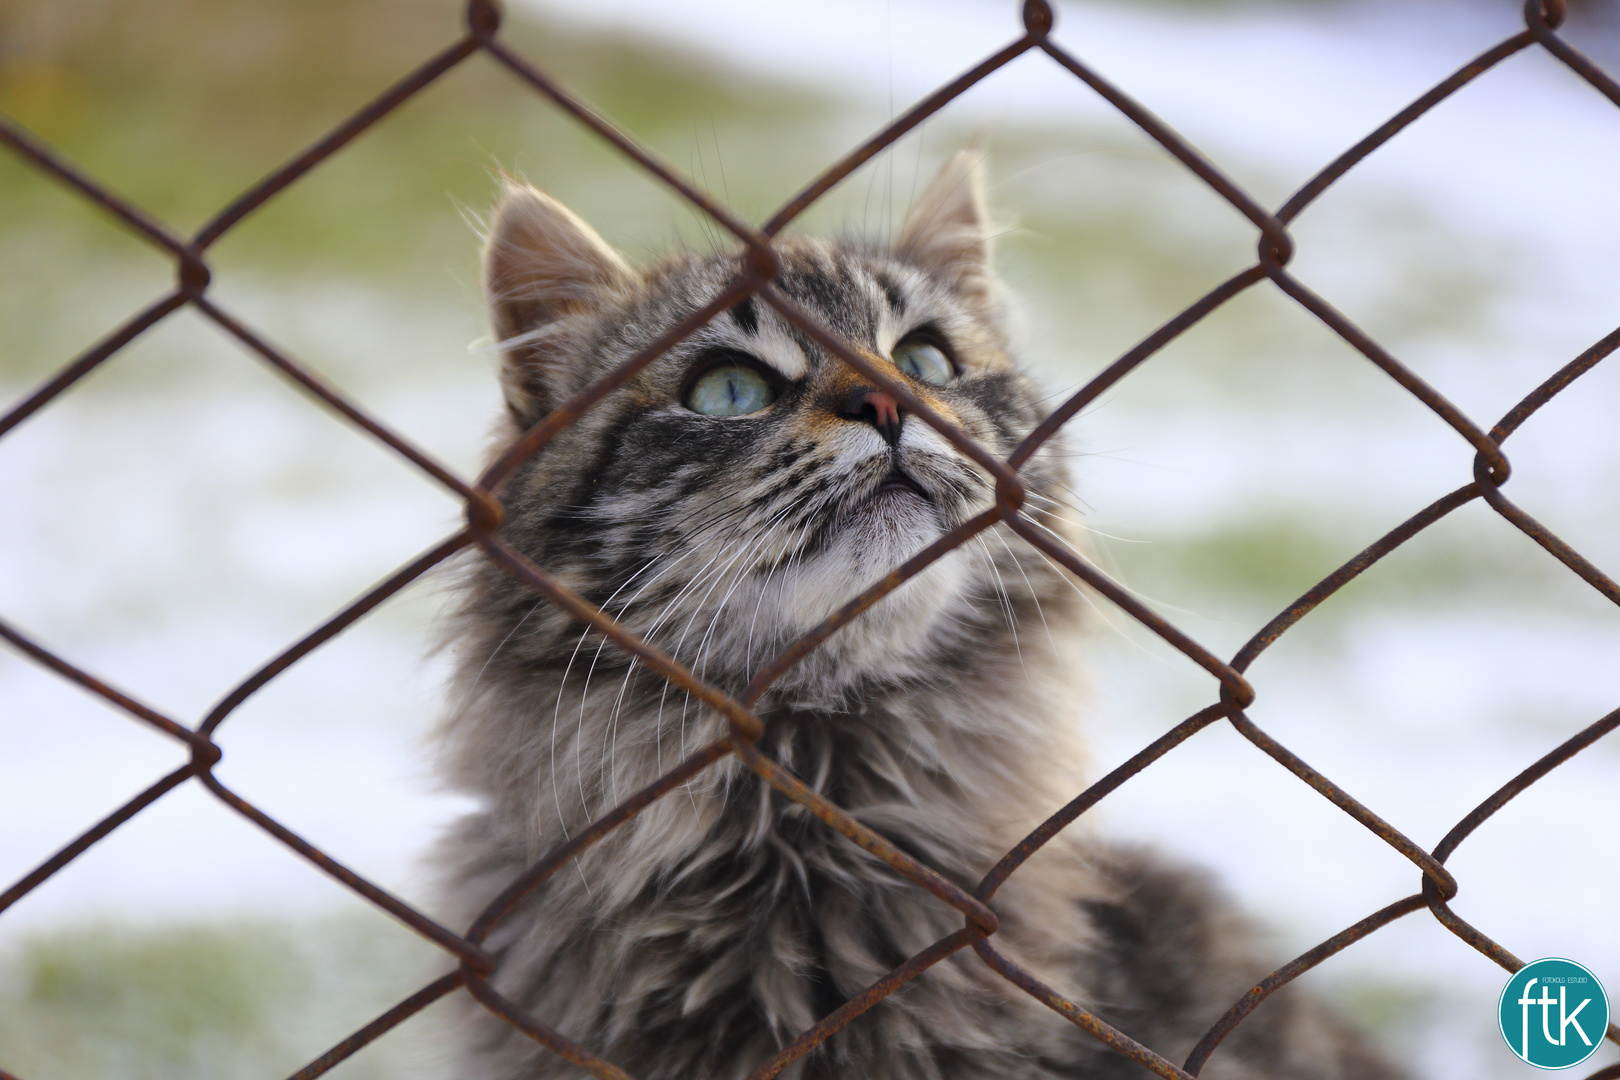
point(756, 269)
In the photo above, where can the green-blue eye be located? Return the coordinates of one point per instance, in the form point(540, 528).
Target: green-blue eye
point(924, 362)
point(729, 390)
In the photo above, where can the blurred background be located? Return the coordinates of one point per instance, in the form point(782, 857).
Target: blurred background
point(183, 514)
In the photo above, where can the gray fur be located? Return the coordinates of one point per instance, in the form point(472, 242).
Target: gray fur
point(703, 935)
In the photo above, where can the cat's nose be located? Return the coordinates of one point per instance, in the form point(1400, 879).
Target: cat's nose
point(875, 407)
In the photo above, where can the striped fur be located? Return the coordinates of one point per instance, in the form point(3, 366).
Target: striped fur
point(703, 935)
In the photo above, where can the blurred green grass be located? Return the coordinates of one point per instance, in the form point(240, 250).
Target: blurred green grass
point(1268, 558)
point(180, 105)
point(210, 999)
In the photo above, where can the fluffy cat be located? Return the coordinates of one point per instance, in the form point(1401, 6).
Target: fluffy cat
point(727, 498)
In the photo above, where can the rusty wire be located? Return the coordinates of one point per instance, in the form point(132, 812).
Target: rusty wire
point(758, 265)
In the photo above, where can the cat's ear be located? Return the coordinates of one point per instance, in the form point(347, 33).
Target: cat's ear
point(948, 230)
point(542, 262)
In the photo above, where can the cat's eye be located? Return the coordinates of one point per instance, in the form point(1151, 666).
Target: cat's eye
point(924, 361)
point(729, 390)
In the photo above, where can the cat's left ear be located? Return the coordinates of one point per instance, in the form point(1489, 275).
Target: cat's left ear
point(541, 262)
point(947, 230)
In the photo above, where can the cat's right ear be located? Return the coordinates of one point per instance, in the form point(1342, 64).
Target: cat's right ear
point(948, 229)
point(541, 265)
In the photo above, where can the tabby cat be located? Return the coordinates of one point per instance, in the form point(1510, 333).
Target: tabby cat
point(726, 499)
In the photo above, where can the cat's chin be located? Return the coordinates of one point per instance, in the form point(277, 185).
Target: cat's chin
point(882, 532)
point(888, 527)
point(894, 515)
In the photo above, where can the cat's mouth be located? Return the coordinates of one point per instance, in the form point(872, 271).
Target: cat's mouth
point(897, 482)
point(896, 506)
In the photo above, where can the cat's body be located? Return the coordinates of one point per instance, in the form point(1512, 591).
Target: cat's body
point(732, 495)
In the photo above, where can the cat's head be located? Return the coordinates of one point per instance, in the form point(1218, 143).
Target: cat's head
point(747, 483)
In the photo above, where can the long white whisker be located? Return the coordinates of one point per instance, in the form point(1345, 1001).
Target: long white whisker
point(1101, 614)
point(760, 538)
point(1006, 601)
point(1079, 524)
point(668, 607)
point(1034, 595)
point(747, 549)
point(608, 736)
point(686, 699)
point(556, 717)
point(1127, 588)
point(787, 566)
point(502, 644)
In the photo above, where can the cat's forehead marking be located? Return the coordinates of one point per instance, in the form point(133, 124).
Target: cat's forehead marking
point(776, 346)
point(854, 300)
point(834, 285)
point(868, 300)
point(746, 316)
point(892, 292)
point(757, 331)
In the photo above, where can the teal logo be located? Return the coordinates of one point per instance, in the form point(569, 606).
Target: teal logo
point(1553, 1013)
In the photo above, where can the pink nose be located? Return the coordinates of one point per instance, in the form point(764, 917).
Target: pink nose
point(875, 407)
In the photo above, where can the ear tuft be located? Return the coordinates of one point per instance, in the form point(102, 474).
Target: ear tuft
point(948, 229)
point(541, 262)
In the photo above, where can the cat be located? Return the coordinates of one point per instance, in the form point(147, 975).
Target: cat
point(727, 498)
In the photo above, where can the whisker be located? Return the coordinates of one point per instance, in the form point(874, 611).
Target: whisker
point(1005, 600)
point(1034, 595)
point(1068, 579)
point(502, 643)
point(1079, 524)
point(1146, 599)
point(652, 629)
point(744, 549)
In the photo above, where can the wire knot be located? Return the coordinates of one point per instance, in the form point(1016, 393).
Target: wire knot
point(1009, 494)
point(1276, 247)
point(1038, 18)
point(205, 754)
point(194, 274)
point(1545, 14)
point(1236, 692)
point(1491, 474)
point(483, 18)
point(761, 263)
point(485, 513)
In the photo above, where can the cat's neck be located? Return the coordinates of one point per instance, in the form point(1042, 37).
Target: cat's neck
point(955, 769)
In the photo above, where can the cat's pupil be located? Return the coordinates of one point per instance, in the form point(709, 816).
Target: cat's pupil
point(729, 390)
